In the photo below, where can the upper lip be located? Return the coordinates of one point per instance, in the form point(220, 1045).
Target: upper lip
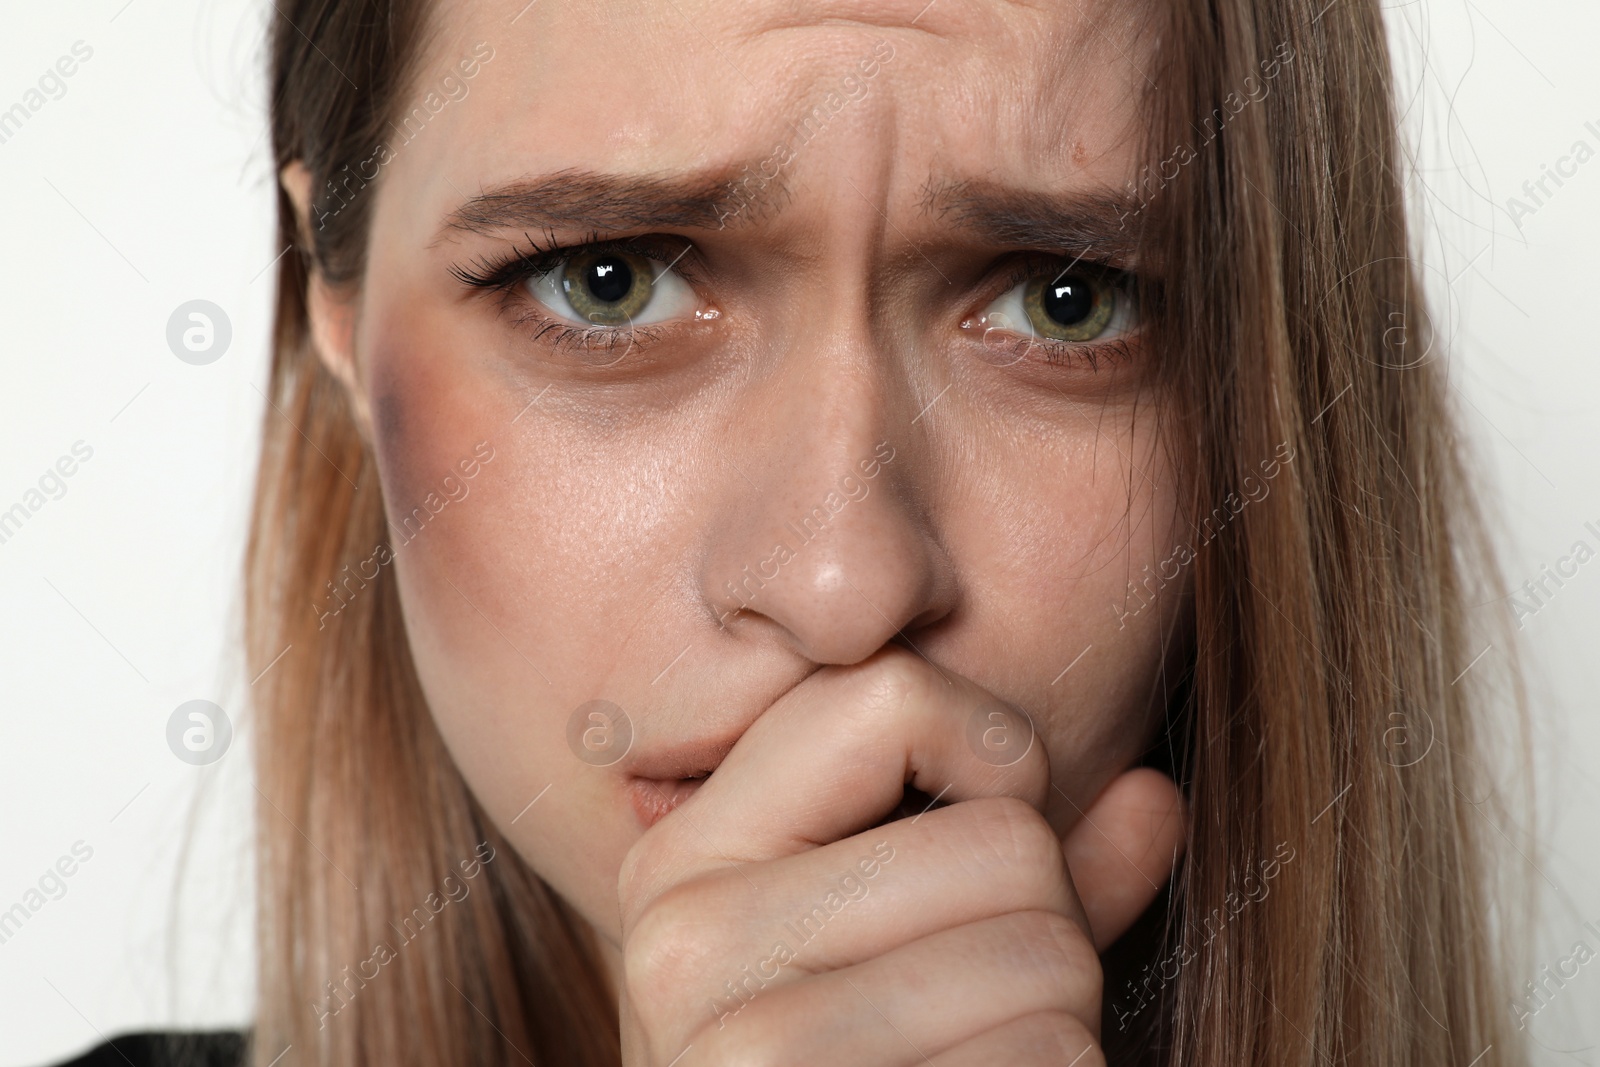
point(661, 760)
point(688, 759)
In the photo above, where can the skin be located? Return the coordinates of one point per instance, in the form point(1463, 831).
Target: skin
point(591, 556)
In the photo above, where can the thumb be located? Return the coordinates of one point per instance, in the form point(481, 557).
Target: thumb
point(1124, 849)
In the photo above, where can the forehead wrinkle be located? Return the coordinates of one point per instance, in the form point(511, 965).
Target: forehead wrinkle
point(942, 19)
point(630, 200)
point(948, 20)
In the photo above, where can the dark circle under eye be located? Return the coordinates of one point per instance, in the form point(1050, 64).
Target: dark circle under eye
point(608, 288)
point(1070, 306)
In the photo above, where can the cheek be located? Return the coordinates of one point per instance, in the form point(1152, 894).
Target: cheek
point(449, 555)
point(537, 590)
point(396, 454)
point(497, 649)
point(418, 435)
point(1106, 707)
point(1050, 616)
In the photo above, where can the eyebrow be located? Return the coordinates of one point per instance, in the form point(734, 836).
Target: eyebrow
point(717, 197)
point(1102, 221)
point(704, 199)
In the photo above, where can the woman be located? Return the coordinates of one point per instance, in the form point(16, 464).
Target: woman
point(860, 533)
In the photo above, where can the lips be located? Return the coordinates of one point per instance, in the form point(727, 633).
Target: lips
point(692, 759)
point(662, 778)
point(654, 798)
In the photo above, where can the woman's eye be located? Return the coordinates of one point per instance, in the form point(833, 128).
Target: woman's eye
point(612, 288)
point(1078, 304)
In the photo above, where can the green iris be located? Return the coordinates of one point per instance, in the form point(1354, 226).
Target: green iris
point(1073, 306)
point(608, 288)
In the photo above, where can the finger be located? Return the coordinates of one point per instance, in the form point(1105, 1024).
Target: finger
point(1125, 848)
point(831, 758)
point(918, 1000)
point(1052, 1038)
point(842, 904)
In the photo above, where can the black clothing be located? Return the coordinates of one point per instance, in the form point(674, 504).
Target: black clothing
point(222, 1048)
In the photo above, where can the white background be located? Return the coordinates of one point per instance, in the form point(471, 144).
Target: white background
point(148, 184)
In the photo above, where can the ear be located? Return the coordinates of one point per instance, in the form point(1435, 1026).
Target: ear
point(332, 312)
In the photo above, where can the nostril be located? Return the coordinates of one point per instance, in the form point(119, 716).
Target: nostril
point(829, 550)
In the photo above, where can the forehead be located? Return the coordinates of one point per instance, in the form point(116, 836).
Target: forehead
point(961, 89)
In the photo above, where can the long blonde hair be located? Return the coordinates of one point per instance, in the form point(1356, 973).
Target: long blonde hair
point(1335, 899)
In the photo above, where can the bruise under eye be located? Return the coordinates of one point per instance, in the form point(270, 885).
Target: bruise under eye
point(393, 444)
point(387, 417)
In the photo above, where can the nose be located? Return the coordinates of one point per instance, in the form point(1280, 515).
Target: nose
point(823, 536)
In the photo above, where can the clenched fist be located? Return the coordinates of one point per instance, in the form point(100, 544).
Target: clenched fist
point(774, 918)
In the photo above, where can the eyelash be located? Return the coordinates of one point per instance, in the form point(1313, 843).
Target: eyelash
point(506, 274)
point(1056, 352)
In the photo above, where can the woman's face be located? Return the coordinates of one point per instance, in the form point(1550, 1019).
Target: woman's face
point(818, 431)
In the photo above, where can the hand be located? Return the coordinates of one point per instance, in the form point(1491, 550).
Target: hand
point(768, 920)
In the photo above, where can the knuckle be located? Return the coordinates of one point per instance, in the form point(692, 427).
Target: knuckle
point(633, 874)
point(652, 865)
point(1059, 948)
point(890, 681)
point(1018, 836)
point(1059, 1037)
point(747, 1042)
point(1050, 963)
point(665, 953)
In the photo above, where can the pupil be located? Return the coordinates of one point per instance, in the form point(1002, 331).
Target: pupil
point(609, 278)
point(1069, 300)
